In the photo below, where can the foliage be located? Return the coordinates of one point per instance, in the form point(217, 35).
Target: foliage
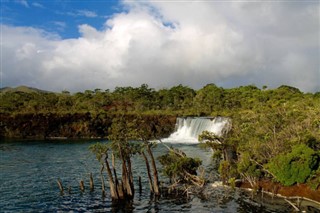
point(295, 166)
point(314, 179)
point(100, 150)
point(211, 140)
point(176, 166)
point(224, 168)
point(222, 148)
point(209, 99)
point(249, 169)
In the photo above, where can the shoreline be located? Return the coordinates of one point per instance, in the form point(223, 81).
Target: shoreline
point(294, 201)
point(298, 191)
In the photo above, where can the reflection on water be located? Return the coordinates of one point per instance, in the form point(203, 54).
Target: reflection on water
point(29, 171)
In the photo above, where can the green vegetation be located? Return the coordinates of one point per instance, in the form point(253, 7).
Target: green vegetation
point(180, 168)
point(275, 133)
point(295, 166)
point(122, 133)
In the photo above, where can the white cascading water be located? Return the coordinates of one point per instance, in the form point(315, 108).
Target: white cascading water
point(188, 129)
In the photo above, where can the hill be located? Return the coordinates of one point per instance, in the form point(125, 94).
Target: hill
point(24, 89)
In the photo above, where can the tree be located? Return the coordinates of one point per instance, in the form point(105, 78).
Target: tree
point(222, 146)
point(147, 131)
point(180, 168)
point(176, 98)
point(208, 99)
point(295, 166)
point(101, 152)
point(218, 143)
point(121, 132)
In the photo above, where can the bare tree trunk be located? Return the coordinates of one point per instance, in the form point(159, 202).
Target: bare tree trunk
point(91, 183)
point(130, 176)
point(155, 171)
point(225, 154)
point(128, 192)
point(194, 179)
point(102, 182)
point(113, 189)
point(116, 182)
point(140, 185)
point(125, 180)
point(60, 185)
point(148, 171)
point(82, 185)
point(120, 190)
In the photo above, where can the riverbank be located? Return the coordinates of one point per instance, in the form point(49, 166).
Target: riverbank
point(73, 125)
point(298, 190)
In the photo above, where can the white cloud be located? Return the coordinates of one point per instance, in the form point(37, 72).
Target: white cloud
point(167, 43)
point(36, 4)
point(60, 25)
point(23, 3)
point(85, 13)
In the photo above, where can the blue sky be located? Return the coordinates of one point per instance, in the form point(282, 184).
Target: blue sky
point(77, 45)
point(58, 16)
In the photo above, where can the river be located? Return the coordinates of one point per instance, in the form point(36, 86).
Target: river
point(30, 169)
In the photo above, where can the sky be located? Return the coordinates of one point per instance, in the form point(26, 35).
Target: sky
point(76, 45)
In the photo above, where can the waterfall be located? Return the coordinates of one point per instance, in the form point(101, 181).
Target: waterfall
point(189, 128)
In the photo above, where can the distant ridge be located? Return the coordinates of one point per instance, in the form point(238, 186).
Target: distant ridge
point(24, 89)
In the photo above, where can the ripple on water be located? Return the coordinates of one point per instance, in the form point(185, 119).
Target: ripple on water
point(29, 173)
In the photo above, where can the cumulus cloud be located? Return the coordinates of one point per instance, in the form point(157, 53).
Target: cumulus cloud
point(168, 43)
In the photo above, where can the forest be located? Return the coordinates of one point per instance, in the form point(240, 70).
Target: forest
point(275, 133)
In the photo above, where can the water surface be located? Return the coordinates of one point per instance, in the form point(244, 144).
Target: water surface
point(30, 169)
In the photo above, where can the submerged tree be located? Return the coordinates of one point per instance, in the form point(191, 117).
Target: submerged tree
point(224, 148)
point(180, 168)
point(152, 174)
point(101, 152)
point(146, 132)
point(122, 132)
point(218, 144)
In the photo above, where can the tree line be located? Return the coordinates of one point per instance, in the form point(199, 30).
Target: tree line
point(178, 100)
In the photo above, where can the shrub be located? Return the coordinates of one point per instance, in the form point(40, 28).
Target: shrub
point(296, 166)
point(176, 166)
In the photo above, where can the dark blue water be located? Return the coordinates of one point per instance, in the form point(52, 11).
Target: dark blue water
point(29, 171)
